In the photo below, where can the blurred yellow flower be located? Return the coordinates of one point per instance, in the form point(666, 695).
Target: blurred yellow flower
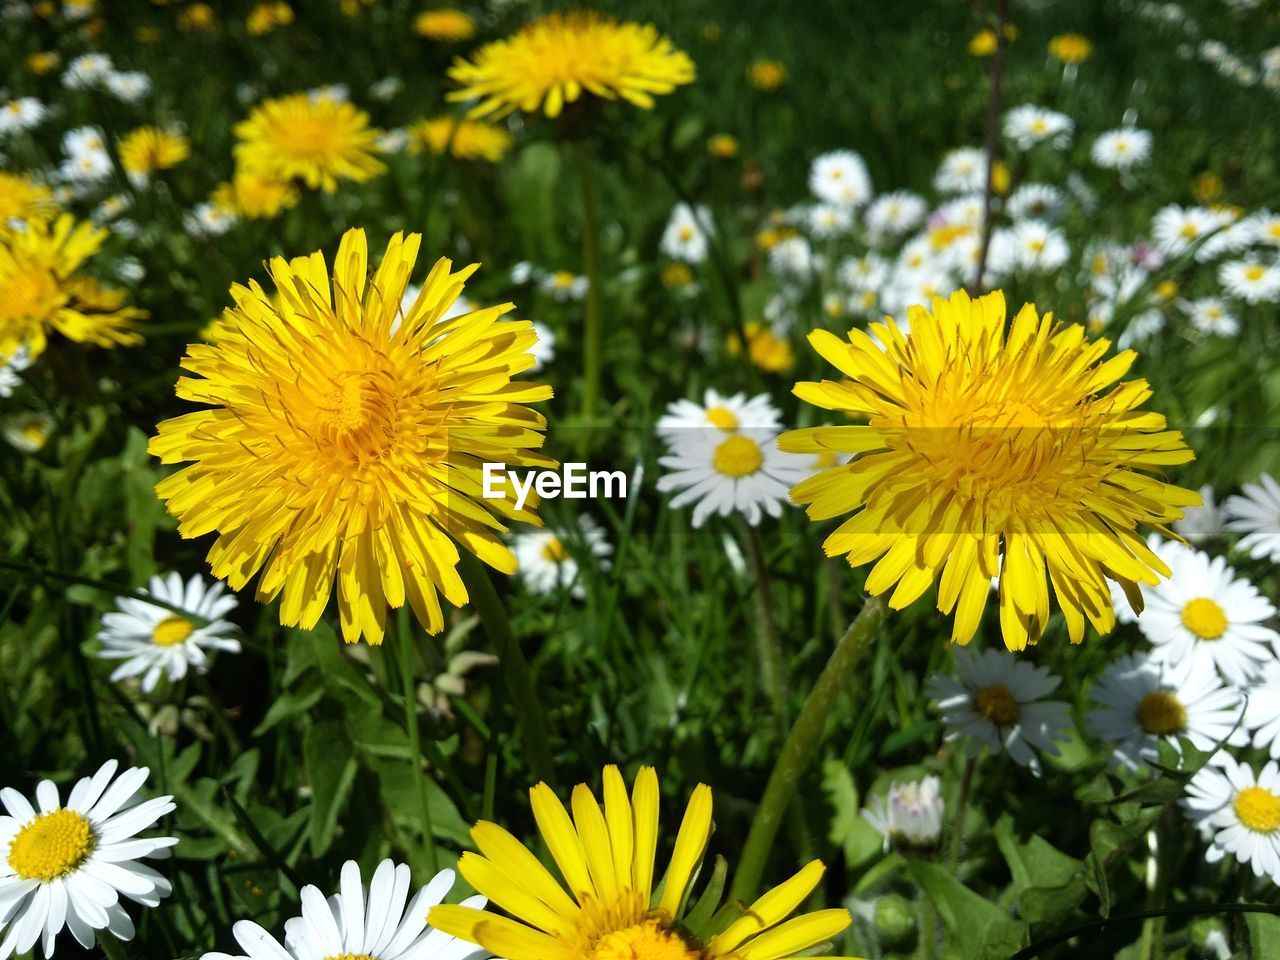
point(991, 453)
point(343, 436)
point(266, 17)
point(770, 237)
point(722, 145)
point(257, 196)
point(444, 24)
point(676, 275)
point(464, 139)
point(317, 141)
point(767, 350)
point(23, 199)
point(197, 17)
point(1070, 48)
point(1000, 178)
point(766, 74)
point(147, 149)
point(1166, 290)
point(554, 61)
point(42, 290)
point(43, 62)
point(147, 35)
point(1207, 187)
point(983, 43)
point(611, 910)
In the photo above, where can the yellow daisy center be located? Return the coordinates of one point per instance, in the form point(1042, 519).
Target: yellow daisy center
point(722, 417)
point(686, 234)
point(644, 941)
point(1205, 618)
point(1161, 713)
point(997, 704)
point(1189, 231)
point(34, 433)
point(562, 278)
point(1258, 809)
point(553, 551)
point(171, 631)
point(351, 956)
point(737, 457)
point(51, 846)
point(1254, 272)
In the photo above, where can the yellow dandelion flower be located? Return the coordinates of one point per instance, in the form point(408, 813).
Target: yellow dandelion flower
point(1207, 187)
point(22, 198)
point(766, 75)
point(257, 196)
point(983, 43)
point(676, 275)
point(464, 139)
point(344, 439)
point(989, 454)
point(722, 145)
point(41, 290)
point(148, 149)
point(444, 24)
point(316, 141)
point(609, 910)
point(768, 351)
point(197, 18)
point(554, 61)
point(266, 17)
point(42, 62)
point(1070, 48)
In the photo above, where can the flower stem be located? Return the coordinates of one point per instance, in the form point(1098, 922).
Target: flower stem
point(800, 746)
point(404, 647)
point(768, 638)
point(593, 344)
point(962, 802)
point(515, 668)
point(112, 947)
point(992, 139)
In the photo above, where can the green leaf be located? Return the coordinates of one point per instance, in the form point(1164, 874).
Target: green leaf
point(1047, 883)
point(701, 913)
point(987, 932)
point(331, 769)
point(400, 797)
point(1264, 935)
point(849, 829)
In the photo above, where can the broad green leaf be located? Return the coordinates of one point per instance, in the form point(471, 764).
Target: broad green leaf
point(979, 927)
point(331, 769)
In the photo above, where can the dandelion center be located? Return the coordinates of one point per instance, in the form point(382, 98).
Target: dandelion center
point(171, 631)
point(1258, 809)
point(52, 845)
point(997, 704)
point(1205, 618)
point(722, 417)
point(737, 457)
point(553, 551)
point(1161, 713)
point(644, 941)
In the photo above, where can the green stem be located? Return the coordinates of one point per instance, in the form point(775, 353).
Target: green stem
point(801, 745)
point(593, 342)
point(405, 649)
point(768, 637)
point(962, 802)
point(515, 668)
point(928, 929)
point(112, 947)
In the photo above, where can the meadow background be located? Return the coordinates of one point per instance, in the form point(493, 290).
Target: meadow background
point(292, 756)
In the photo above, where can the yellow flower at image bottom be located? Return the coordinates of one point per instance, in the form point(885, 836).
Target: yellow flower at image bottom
point(343, 437)
point(609, 911)
point(991, 453)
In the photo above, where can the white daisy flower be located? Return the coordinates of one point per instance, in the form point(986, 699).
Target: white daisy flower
point(864, 273)
point(1142, 701)
point(1038, 247)
point(130, 86)
point(154, 640)
point(1176, 228)
point(724, 414)
point(1122, 148)
point(840, 177)
point(1240, 811)
point(685, 236)
point(1203, 522)
point(69, 865)
point(83, 140)
point(330, 93)
point(564, 286)
point(28, 432)
point(1203, 609)
point(386, 89)
point(1256, 514)
point(1029, 125)
point(110, 208)
point(86, 168)
point(997, 701)
point(1262, 715)
point(1211, 315)
point(87, 70)
point(208, 220)
point(1035, 201)
point(544, 348)
point(22, 114)
point(360, 922)
point(896, 213)
point(10, 367)
point(395, 140)
point(962, 171)
point(910, 814)
point(1264, 228)
point(793, 257)
point(827, 220)
point(967, 210)
point(548, 561)
point(743, 472)
point(1251, 280)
